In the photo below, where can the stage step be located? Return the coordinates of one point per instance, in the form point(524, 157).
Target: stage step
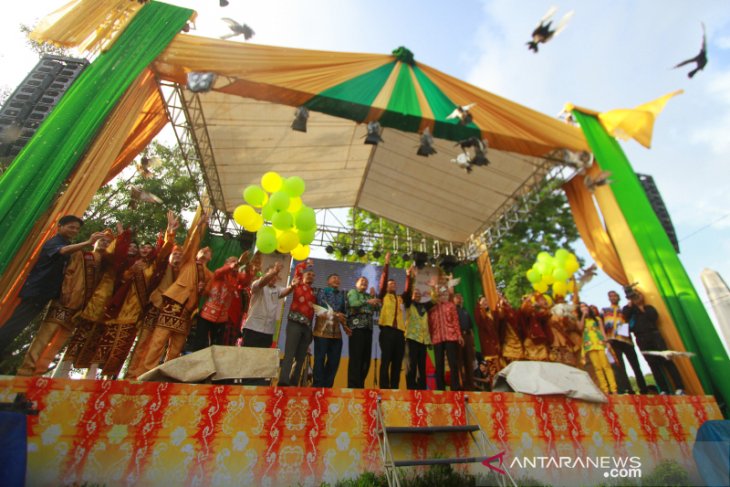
point(428, 430)
point(480, 439)
point(437, 461)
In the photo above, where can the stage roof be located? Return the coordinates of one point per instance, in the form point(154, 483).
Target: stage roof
point(242, 127)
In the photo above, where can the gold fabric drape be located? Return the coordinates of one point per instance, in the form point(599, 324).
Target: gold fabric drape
point(637, 271)
point(487, 276)
point(591, 230)
point(122, 130)
point(87, 25)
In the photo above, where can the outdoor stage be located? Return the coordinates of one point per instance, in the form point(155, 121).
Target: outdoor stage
point(134, 433)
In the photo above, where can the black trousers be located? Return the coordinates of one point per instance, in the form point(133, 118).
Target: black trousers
point(28, 310)
point(360, 345)
point(452, 351)
point(416, 370)
point(256, 339)
point(206, 333)
point(392, 349)
point(626, 349)
point(663, 369)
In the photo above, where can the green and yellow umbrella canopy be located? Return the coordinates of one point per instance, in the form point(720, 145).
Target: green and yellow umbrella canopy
point(399, 94)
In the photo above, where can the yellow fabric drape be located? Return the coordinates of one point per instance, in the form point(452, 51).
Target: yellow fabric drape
point(88, 25)
point(635, 123)
point(150, 121)
point(630, 123)
point(637, 271)
point(85, 181)
point(591, 229)
point(487, 277)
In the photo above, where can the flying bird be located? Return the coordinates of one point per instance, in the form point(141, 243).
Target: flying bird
point(669, 354)
point(600, 180)
point(543, 32)
point(238, 29)
point(138, 194)
point(585, 277)
point(700, 59)
point(146, 165)
point(462, 113)
point(462, 160)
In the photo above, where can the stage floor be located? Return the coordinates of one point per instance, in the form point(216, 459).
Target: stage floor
point(145, 433)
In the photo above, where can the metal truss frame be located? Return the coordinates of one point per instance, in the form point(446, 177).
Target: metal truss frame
point(188, 122)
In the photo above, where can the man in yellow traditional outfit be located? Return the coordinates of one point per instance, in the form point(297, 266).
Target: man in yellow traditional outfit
point(81, 277)
point(147, 322)
point(120, 320)
point(87, 331)
point(179, 302)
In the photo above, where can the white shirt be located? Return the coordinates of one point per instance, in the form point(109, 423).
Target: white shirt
point(265, 308)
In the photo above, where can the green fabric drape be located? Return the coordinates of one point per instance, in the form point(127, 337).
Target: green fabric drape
point(36, 175)
point(222, 249)
point(690, 317)
point(470, 288)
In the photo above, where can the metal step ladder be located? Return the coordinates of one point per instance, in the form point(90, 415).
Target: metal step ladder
point(475, 431)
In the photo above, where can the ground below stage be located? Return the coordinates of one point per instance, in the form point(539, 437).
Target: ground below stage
point(134, 433)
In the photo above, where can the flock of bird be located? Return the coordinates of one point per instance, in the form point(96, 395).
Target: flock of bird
point(544, 32)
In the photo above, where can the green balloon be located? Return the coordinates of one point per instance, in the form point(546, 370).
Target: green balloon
point(561, 255)
point(279, 201)
point(306, 219)
point(544, 257)
point(294, 186)
point(306, 237)
point(266, 240)
point(268, 212)
point(533, 275)
point(254, 195)
point(560, 274)
point(282, 220)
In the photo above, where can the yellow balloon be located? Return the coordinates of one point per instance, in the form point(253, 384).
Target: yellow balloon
point(253, 225)
point(271, 181)
point(244, 214)
point(540, 287)
point(287, 240)
point(295, 203)
point(572, 265)
point(560, 288)
point(300, 252)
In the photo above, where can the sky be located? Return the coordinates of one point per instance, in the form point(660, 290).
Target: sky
point(615, 54)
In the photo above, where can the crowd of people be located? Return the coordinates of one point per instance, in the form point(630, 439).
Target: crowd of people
point(140, 303)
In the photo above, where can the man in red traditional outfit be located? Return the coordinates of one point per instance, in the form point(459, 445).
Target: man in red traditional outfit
point(221, 293)
point(299, 324)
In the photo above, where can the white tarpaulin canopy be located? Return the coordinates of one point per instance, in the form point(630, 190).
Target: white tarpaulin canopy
point(546, 378)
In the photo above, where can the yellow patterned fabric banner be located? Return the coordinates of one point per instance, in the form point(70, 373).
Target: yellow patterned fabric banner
point(132, 433)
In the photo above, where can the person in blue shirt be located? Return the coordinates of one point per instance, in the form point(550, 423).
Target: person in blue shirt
point(327, 335)
point(45, 278)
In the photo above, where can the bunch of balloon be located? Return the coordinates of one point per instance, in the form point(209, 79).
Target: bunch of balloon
point(293, 224)
point(555, 271)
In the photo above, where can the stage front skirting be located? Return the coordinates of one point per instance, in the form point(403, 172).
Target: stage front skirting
point(133, 433)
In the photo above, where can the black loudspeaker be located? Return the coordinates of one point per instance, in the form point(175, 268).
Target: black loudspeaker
point(32, 101)
point(657, 204)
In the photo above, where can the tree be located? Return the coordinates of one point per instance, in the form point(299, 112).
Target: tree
point(548, 227)
point(170, 181)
